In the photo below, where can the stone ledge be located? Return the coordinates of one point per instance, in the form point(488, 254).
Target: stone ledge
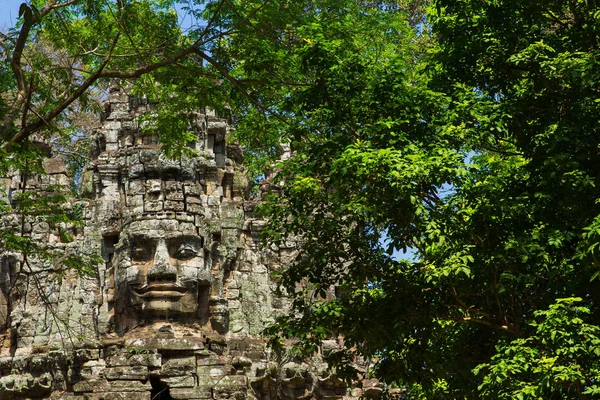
point(166, 344)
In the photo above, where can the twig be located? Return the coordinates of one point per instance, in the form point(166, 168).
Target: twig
point(27, 130)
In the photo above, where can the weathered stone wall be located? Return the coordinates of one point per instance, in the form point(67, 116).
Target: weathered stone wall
point(177, 307)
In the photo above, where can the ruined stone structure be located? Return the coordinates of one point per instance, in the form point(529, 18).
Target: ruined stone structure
point(177, 307)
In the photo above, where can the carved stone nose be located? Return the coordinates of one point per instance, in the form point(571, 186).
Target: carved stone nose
point(161, 269)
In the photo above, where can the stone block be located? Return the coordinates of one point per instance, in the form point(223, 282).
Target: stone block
point(187, 227)
point(118, 396)
point(54, 166)
point(83, 386)
point(136, 187)
point(241, 362)
point(127, 140)
point(188, 381)
point(231, 383)
point(195, 208)
point(112, 135)
point(213, 371)
point(123, 359)
point(111, 125)
point(41, 227)
point(178, 366)
point(166, 344)
point(136, 210)
point(87, 354)
point(208, 360)
point(136, 171)
point(191, 393)
point(117, 360)
point(174, 205)
point(173, 192)
point(93, 369)
point(217, 127)
point(193, 189)
point(237, 325)
point(215, 196)
point(184, 217)
point(135, 373)
point(135, 201)
point(119, 105)
point(153, 360)
point(193, 199)
point(153, 206)
point(328, 347)
point(112, 147)
point(112, 386)
point(235, 305)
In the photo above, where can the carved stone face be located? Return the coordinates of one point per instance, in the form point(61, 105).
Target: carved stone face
point(160, 269)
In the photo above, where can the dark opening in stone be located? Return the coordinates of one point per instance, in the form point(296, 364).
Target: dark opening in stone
point(160, 390)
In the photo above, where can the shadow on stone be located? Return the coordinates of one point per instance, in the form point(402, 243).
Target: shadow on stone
point(160, 391)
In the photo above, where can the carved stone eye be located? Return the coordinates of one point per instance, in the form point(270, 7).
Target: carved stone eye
point(141, 252)
point(185, 252)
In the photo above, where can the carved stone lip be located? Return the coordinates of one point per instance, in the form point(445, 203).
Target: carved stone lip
point(160, 290)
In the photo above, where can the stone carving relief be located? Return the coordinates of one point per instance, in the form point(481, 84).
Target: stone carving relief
point(162, 272)
point(177, 307)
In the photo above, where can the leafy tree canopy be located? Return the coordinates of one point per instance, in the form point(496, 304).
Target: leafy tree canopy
point(482, 156)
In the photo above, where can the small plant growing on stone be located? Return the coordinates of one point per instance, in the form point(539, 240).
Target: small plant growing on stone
point(137, 350)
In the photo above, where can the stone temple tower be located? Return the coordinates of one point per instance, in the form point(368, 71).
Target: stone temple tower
point(177, 307)
point(177, 245)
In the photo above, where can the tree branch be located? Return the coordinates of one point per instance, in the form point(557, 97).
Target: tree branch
point(100, 73)
point(235, 83)
point(504, 328)
point(29, 129)
point(68, 3)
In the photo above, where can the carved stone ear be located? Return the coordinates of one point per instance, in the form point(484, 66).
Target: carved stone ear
point(110, 288)
point(219, 315)
point(8, 268)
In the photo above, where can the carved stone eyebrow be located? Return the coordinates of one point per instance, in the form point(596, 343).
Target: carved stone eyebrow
point(141, 235)
point(194, 240)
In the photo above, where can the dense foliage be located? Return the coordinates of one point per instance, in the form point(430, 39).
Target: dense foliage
point(466, 136)
point(483, 158)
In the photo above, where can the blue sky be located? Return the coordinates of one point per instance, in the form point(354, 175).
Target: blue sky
point(9, 10)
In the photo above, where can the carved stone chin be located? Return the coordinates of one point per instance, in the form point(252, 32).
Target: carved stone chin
point(166, 299)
